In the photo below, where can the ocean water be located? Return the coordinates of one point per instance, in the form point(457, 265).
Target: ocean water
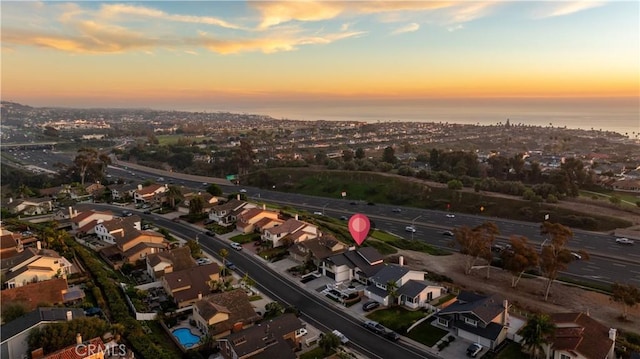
point(617, 116)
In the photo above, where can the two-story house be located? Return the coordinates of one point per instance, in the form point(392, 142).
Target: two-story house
point(29, 206)
point(275, 338)
point(355, 264)
point(316, 249)
point(153, 193)
point(411, 287)
point(290, 232)
point(33, 265)
point(109, 230)
point(190, 285)
point(225, 214)
point(177, 259)
point(122, 191)
point(478, 318)
point(208, 202)
point(247, 219)
point(132, 245)
point(10, 244)
point(221, 314)
point(53, 291)
point(86, 221)
point(577, 335)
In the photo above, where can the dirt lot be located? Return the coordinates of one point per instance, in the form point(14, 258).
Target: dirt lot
point(529, 295)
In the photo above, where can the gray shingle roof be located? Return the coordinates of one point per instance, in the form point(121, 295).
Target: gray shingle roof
point(485, 308)
point(412, 288)
point(389, 272)
point(48, 314)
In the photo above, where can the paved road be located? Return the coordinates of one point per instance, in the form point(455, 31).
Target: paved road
point(321, 314)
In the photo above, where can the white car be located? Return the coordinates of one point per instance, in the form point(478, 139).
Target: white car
point(343, 339)
point(243, 191)
point(411, 229)
point(451, 215)
point(236, 246)
point(301, 332)
point(318, 213)
point(624, 241)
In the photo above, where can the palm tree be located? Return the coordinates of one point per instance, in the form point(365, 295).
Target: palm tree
point(173, 193)
point(536, 333)
point(392, 291)
point(224, 253)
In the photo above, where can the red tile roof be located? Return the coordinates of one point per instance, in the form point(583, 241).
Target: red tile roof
point(580, 333)
point(48, 291)
point(90, 349)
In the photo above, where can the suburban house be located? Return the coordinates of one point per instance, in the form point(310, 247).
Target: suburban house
point(90, 349)
point(356, 264)
point(80, 221)
point(316, 249)
point(290, 232)
point(411, 288)
point(94, 189)
point(121, 191)
point(190, 285)
point(29, 206)
point(246, 221)
point(266, 223)
point(223, 313)
point(15, 334)
point(132, 245)
point(109, 230)
point(577, 335)
point(153, 193)
point(208, 201)
point(54, 291)
point(225, 214)
point(480, 319)
point(33, 265)
point(273, 339)
point(177, 259)
point(627, 185)
point(10, 244)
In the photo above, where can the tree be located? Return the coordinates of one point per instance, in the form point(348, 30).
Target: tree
point(89, 162)
point(392, 291)
point(194, 247)
point(223, 253)
point(389, 155)
point(196, 205)
point(347, 155)
point(328, 342)
point(273, 310)
point(538, 331)
point(247, 281)
point(214, 190)
point(360, 153)
point(520, 257)
point(173, 194)
point(476, 243)
point(13, 311)
point(626, 294)
point(454, 184)
point(555, 256)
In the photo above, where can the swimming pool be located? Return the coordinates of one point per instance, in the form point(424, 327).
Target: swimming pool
point(185, 337)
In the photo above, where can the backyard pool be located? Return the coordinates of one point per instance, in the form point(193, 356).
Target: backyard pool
point(185, 337)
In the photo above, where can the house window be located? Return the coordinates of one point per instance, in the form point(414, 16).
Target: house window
point(443, 322)
point(471, 321)
point(564, 356)
point(429, 296)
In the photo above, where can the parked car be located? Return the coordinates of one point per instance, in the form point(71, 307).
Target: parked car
point(397, 210)
point(243, 191)
point(230, 265)
point(318, 213)
point(342, 337)
point(624, 241)
point(391, 335)
point(236, 246)
point(301, 332)
point(374, 327)
point(451, 215)
point(210, 233)
point(147, 211)
point(127, 214)
point(369, 306)
point(447, 233)
point(474, 349)
point(203, 261)
point(410, 229)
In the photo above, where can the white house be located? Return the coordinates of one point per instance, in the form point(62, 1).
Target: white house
point(411, 288)
point(108, 230)
point(291, 231)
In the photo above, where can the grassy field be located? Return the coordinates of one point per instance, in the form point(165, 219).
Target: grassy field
point(427, 334)
point(396, 318)
point(398, 190)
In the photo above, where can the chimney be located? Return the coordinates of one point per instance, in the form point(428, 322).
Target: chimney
point(69, 315)
point(139, 187)
point(78, 338)
point(401, 261)
point(200, 296)
point(38, 245)
point(612, 334)
point(264, 207)
point(70, 212)
point(238, 196)
point(296, 216)
point(10, 199)
point(505, 317)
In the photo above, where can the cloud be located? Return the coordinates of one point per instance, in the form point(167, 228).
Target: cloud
point(455, 27)
point(554, 9)
point(112, 10)
point(407, 28)
point(468, 11)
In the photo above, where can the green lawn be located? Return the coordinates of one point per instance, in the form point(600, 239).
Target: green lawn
point(511, 351)
point(245, 238)
point(396, 318)
point(427, 334)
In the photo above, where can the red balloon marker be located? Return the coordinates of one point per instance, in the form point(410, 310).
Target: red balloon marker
point(359, 227)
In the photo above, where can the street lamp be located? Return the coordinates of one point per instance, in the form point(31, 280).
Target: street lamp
point(413, 226)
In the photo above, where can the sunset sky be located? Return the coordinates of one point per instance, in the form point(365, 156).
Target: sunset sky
point(178, 54)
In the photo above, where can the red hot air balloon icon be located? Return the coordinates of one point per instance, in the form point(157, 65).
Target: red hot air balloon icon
point(359, 227)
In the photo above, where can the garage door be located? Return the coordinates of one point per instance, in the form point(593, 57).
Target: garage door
point(475, 338)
